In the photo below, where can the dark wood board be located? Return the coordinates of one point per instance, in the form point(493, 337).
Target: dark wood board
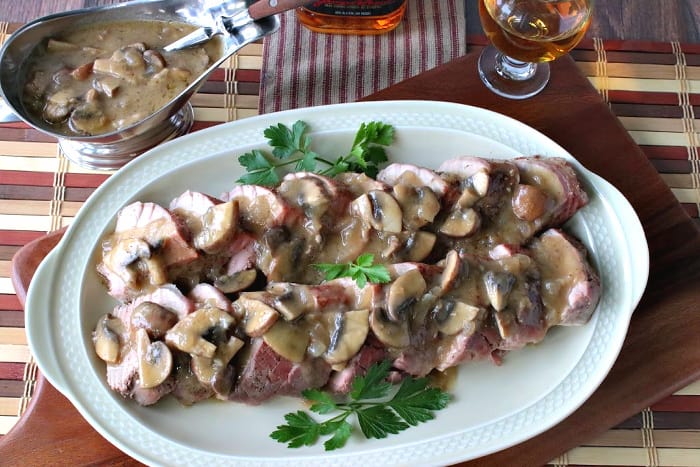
point(658, 356)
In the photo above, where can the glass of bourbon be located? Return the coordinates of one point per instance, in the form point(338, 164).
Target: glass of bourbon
point(524, 36)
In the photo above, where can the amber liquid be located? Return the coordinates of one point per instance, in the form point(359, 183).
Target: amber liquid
point(342, 24)
point(535, 30)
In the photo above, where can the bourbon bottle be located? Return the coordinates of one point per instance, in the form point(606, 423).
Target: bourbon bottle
point(352, 17)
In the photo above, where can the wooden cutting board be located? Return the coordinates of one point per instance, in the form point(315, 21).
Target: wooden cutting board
point(657, 358)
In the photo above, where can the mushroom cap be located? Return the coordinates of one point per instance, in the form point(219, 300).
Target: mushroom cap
point(347, 336)
point(188, 334)
point(106, 338)
point(403, 293)
point(259, 317)
point(379, 210)
point(155, 360)
point(390, 333)
point(288, 340)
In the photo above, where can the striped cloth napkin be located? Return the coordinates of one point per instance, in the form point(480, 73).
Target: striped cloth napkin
point(302, 68)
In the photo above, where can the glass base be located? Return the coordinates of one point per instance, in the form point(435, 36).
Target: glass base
point(511, 78)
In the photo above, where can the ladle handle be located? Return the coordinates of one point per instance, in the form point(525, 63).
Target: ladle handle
point(265, 8)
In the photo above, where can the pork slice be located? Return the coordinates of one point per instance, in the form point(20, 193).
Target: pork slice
point(168, 296)
point(524, 321)
point(558, 179)
point(371, 352)
point(159, 228)
point(260, 208)
point(188, 389)
point(243, 254)
point(485, 185)
point(193, 203)
point(265, 374)
point(413, 175)
point(190, 207)
point(462, 347)
point(121, 375)
point(465, 166)
point(203, 295)
point(150, 396)
point(123, 378)
point(570, 285)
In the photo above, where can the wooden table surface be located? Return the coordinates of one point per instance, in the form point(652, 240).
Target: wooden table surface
point(653, 20)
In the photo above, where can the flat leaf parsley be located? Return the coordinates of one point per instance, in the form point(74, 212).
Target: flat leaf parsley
point(361, 271)
point(292, 147)
point(414, 402)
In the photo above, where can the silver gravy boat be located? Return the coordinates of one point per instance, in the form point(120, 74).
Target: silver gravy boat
point(230, 20)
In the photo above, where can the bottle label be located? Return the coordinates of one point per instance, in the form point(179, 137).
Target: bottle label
point(355, 7)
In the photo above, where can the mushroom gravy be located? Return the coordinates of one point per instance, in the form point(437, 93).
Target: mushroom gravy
point(220, 296)
point(105, 77)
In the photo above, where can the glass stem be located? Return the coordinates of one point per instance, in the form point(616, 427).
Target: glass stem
point(511, 68)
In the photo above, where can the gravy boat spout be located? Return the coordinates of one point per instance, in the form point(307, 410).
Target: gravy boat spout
point(228, 21)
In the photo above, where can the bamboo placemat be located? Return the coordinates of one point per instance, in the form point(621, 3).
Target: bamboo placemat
point(654, 88)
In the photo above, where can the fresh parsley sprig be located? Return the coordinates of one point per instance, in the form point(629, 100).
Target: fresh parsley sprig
point(361, 271)
point(292, 146)
point(414, 402)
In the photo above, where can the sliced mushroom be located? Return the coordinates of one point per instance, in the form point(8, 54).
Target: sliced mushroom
point(529, 202)
point(281, 253)
point(154, 59)
point(88, 118)
point(403, 293)
point(188, 334)
point(155, 360)
point(418, 245)
point(348, 333)
point(421, 311)
point(308, 193)
point(59, 105)
point(291, 300)
point(218, 227)
point(106, 338)
point(155, 319)
point(454, 269)
point(419, 205)
point(359, 183)
point(461, 223)
point(259, 317)
point(480, 182)
point(132, 261)
point(379, 210)
point(506, 324)
point(454, 316)
point(390, 333)
point(288, 340)
point(346, 245)
point(498, 287)
point(237, 281)
point(216, 371)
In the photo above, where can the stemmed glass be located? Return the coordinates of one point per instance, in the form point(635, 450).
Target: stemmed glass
point(525, 35)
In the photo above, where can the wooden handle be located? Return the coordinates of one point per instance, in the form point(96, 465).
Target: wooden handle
point(265, 8)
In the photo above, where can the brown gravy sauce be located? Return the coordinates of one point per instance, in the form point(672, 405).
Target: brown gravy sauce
point(108, 76)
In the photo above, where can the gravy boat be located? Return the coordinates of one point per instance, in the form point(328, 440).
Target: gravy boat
point(229, 20)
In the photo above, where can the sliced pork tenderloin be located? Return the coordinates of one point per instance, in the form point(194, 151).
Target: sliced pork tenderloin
point(571, 287)
point(264, 374)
